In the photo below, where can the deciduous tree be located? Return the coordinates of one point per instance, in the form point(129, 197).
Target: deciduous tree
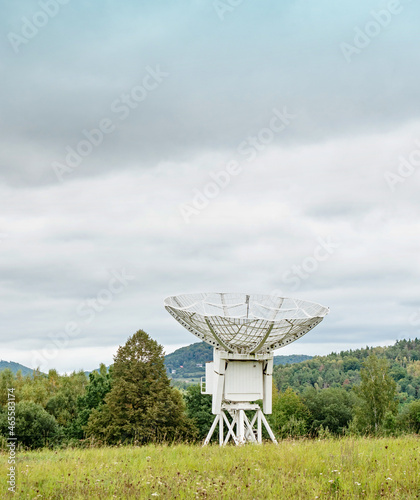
point(329, 408)
point(34, 425)
point(199, 409)
point(290, 416)
point(377, 392)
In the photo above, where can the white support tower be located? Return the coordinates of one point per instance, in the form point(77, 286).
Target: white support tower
point(244, 331)
point(235, 381)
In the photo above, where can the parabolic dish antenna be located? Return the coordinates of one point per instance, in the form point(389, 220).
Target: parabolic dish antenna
point(245, 324)
point(244, 330)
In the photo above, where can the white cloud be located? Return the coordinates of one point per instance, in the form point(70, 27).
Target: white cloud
point(64, 240)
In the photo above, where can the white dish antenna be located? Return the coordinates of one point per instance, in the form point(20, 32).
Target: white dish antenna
point(244, 331)
point(241, 323)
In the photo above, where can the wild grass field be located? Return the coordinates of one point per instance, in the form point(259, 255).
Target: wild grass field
point(303, 469)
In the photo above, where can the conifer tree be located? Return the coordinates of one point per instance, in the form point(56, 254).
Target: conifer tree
point(141, 405)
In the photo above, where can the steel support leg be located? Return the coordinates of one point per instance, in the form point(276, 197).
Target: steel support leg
point(210, 434)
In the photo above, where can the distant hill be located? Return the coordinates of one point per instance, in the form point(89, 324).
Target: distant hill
point(188, 363)
point(15, 367)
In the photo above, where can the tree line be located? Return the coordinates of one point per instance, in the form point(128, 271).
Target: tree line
point(134, 402)
point(343, 370)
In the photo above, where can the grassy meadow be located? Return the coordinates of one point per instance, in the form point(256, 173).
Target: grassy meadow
point(307, 469)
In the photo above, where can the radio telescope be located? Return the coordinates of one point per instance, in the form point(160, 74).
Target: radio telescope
point(244, 330)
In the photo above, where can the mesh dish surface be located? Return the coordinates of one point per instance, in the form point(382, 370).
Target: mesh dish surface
point(245, 323)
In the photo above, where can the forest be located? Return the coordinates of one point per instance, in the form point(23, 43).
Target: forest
point(342, 370)
point(371, 391)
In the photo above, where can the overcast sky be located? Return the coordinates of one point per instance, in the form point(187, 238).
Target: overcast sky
point(150, 148)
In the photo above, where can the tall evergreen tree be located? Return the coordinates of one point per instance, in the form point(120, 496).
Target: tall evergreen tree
point(141, 405)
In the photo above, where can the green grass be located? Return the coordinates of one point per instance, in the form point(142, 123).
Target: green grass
point(338, 468)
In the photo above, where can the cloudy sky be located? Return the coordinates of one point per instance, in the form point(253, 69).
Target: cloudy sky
point(149, 148)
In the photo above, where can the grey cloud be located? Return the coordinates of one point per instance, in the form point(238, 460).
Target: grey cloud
point(224, 80)
point(321, 177)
